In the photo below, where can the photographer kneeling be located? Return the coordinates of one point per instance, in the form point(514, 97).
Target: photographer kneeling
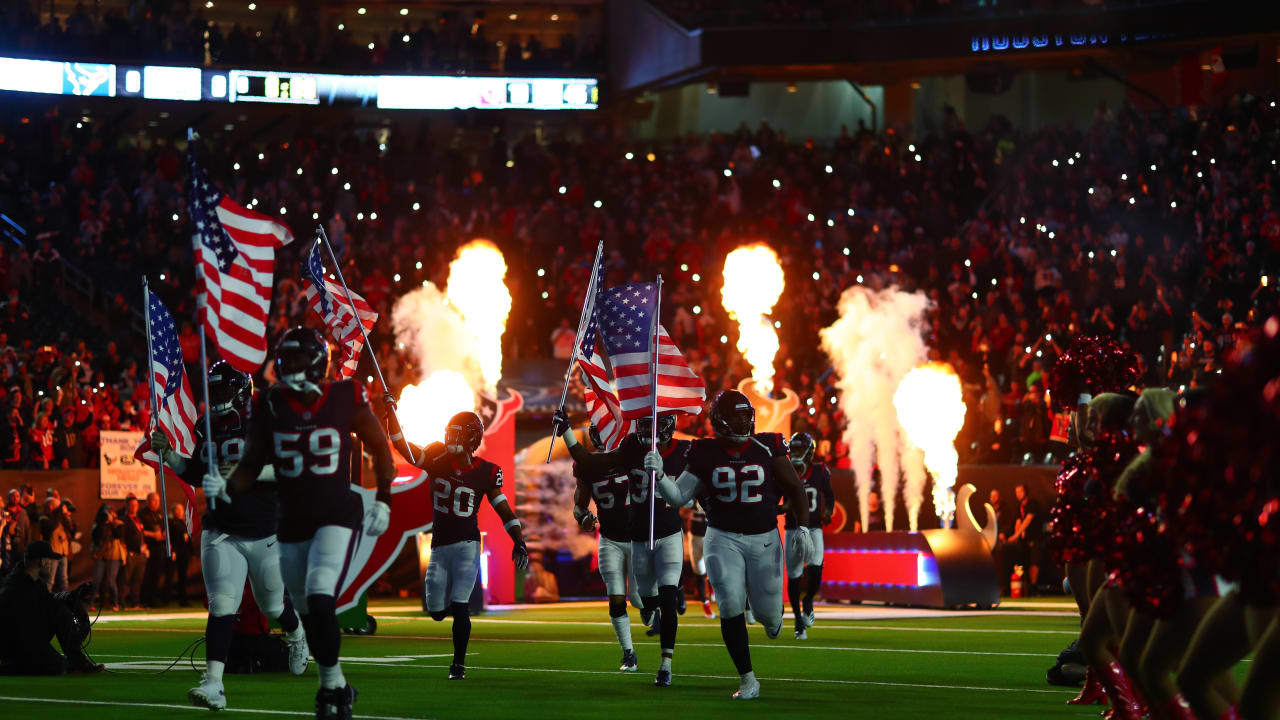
point(33, 616)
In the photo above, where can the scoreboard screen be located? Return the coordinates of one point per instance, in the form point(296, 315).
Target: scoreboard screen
point(274, 87)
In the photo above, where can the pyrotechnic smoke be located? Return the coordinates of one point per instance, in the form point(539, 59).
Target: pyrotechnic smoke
point(875, 343)
point(930, 404)
point(477, 290)
point(753, 283)
point(455, 340)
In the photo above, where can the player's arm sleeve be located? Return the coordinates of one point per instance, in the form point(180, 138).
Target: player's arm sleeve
point(592, 463)
point(678, 491)
point(369, 430)
point(257, 451)
point(828, 496)
point(792, 488)
point(581, 495)
point(498, 500)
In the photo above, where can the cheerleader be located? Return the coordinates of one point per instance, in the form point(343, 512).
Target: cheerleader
point(1224, 459)
point(1107, 613)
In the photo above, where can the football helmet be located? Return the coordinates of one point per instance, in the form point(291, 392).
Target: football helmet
point(230, 392)
point(666, 429)
point(732, 416)
point(464, 433)
point(302, 360)
point(802, 446)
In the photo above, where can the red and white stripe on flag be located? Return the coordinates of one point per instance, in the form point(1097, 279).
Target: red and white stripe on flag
point(177, 418)
point(239, 299)
point(341, 322)
point(149, 457)
point(680, 390)
point(602, 402)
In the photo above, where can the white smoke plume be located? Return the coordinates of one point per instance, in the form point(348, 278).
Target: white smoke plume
point(876, 341)
point(434, 334)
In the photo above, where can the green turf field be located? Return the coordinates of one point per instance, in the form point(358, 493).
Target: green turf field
point(560, 662)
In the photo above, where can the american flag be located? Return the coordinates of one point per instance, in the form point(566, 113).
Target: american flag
point(600, 397)
point(176, 410)
point(236, 248)
point(625, 317)
point(329, 302)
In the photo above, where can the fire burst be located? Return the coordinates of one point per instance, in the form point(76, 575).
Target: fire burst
point(425, 408)
point(477, 290)
point(931, 410)
point(753, 283)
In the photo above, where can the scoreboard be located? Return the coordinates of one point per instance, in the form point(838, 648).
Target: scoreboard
point(388, 92)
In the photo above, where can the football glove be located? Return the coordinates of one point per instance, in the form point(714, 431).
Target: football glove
point(807, 550)
point(560, 422)
point(520, 556)
point(215, 488)
point(586, 520)
point(653, 463)
point(389, 401)
point(159, 442)
point(377, 518)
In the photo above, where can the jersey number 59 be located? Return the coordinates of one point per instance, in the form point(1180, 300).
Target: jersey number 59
point(292, 453)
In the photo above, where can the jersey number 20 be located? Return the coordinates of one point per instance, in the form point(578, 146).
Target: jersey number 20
point(728, 489)
point(464, 498)
point(322, 444)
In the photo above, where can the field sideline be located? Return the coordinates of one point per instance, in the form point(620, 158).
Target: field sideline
point(560, 662)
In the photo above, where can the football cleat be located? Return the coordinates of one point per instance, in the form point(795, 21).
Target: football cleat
point(208, 694)
point(457, 672)
point(663, 679)
point(298, 654)
point(751, 617)
point(748, 691)
point(335, 704)
point(630, 663)
point(684, 604)
point(706, 610)
point(775, 631)
point(801, 634)
point(809, 619)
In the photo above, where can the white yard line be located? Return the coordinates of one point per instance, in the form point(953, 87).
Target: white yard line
point(166, 706)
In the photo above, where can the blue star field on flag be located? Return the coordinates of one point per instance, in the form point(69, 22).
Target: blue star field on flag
point(164, 344)
point(626, 317)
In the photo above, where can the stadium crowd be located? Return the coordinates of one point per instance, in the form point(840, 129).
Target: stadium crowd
point(452, 41)
point(1158, 229)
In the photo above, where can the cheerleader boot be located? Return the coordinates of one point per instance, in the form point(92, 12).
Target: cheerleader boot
point(1092, 692)
point(1124, 702)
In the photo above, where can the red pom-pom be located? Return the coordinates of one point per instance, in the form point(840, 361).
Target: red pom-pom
point(1091, 365)
point(1082, 520)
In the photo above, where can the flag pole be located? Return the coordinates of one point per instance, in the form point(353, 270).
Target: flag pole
point(653, 387)
point(202, 310)
point(588, 302)
point(323, 237)
point(155, 406)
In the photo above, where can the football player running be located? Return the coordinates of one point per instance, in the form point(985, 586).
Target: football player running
point(459, 479)
point(821, 501)
point(741, 476)
point(303, 425)
point(657, 570)
point(239, 538)
point(611, 493)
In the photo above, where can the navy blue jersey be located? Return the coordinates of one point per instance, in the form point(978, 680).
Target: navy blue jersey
point(310, 446)
point(612, 495)
point(456, 493)
point(817, 490)
point(738, 487)
point(251, 514)
point(666, 519)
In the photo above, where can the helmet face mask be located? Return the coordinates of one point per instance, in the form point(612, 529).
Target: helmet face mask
point(464, 433)
point(666, 430)
point(230, 392)
point(732, 416)
point(302, 360)
point(802, 447)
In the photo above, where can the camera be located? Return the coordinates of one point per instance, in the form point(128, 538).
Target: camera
point(70, 506)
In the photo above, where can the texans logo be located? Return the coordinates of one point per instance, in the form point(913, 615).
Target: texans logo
point(411, 514)
point(839, 516)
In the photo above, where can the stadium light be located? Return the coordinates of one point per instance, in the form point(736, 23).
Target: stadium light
point(236, 166)
point(597, 204)
point(253, 6)
point(396, 277)
point(361, 11)
point(417, 265)
point(542, 272)
point(404, 11)
point(697, 309)
point(629, 156)
point(346, 186)
point(696, 277)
